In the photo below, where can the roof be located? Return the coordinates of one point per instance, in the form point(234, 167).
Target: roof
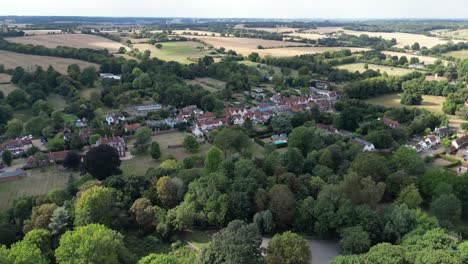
point(207, 115)
point(462, 140)
point(391, 122)
point(111, 140)
point(16, 143)
point(59, 155)
point(132, 126)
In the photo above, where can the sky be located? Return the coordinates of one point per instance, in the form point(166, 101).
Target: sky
point(240, 8)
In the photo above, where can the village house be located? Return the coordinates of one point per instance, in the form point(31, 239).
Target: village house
point(114, 119)
point(13, 175)
point(109, 76)
point(418, 146)
point(116, 142)
point(432, 141)
point(366, 146)
point(17, 146)
point(144, 109)
point(435, 78)
point(131, 127)
point(84, 133)
point(390, 122)
point(459, 142)
point(328, 129)
point(166, 123)
point(52, 158)
point(205, 117)
point(442, 131)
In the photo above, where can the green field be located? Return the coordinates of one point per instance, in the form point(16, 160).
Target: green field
point(209, 84)
point(37, 182)
point(359, 67)
point(182, 51)
point(459, 54)
point(57, 101)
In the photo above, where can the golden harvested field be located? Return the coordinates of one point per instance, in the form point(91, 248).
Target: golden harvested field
point(5, 78)
point(12, 60)
point(403, 39)
point(359, 67)
point(42, 32)
point(69, 40)
point(425, 59)
point(459, 54)
point(245, 46)
point(182, 51)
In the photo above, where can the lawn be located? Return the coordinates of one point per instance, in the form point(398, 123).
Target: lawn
point(57, 101)
point(359, 67)
point(37, 182)
point(182, 51)
point(459, 54)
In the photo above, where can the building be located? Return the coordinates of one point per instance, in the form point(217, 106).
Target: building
point(52, 158)
point(109, 76)
point(17, 146)
point(143, 109)
point(328, 129)
point(205, 117)
point(84, 133)
point(390, 122)
point(442, 131)
point(435, 78)
point(13, 175)
point(114, 119)
point(366, 146)
point(460, 142)
point(432, 141)
point(131, 127)
point(116, 142)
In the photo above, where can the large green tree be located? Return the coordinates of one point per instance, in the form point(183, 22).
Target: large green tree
point(97, 205)
point(102, 161)
point(288, 248)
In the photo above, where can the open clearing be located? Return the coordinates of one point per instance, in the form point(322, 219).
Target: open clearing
point(459, 54)
point(403, 39)
point(209, 84)
point(182, 51)
point(12, 60)
point(275, 48)
point(69, 40)
point(425, 59)
point(359, 67)
point(37, 182)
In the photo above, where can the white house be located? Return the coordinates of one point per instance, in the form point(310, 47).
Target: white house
point(432, 141)
point(114, 119)
point(366, 146)
point(110, 76)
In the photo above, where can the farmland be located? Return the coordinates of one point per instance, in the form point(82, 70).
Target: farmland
point(275, 48)
point(37, 182)
point(403, 39)
point(183, 52)
point(69, 40)
point(271, 30)
point(359, 67)
point(12, 60)
point(461, 34)
point(424, 59)
point(459, 54)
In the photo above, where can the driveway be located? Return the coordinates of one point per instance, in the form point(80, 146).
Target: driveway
point(323, 251)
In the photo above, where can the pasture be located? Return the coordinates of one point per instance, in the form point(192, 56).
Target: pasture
point(359, 67)
point(274, 48)
point(182, 51)
point(459, 54)
point(403, 39)
point(69, 40)
point(422, 59)
point(12, 60)
point(37, 182)
point(209, 84)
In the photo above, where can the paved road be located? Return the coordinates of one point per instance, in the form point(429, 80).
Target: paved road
point(323, 251)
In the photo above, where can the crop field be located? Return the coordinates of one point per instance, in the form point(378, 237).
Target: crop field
point(459, 54)
point(271, 30)
point(461, 34)
point(403, 39)
point(69, 40)
point(425, 59)
point(183, 51)
point(359, 67)
point(37, 182)
point(12, 60)
point(275, 48)
point(209, 84)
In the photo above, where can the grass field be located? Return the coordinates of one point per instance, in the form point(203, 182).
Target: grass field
point(245, 46)
point(69, 40)
point(36, 183)
point(403, 39)
point(209, 84)
point(459, 54)
point(57, 101)
point(425, 59)
point(359, 67)
point(12, 60)
point(138, 165)
point(183, 51)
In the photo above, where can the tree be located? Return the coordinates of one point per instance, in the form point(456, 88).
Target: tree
point(282, 205)
point(14, 128)
point(354, 240)
point(142, 140)
point(415, 46)
point(362, 190)
point(407, 159)
point(72, 160)
point(94, 138)
point(288, 248)
point(143, 214)
point(191, 144)
point(97, 205)
point(254, 57)
point(158, 258)
point(59, 222)
point(447, 208)
point(411, 98)
point(167, 192)
point(232, 140)
point(281, 124)
point(7, 157)
point(237, 243)
point(292, 160)
point(213, 159)
point(122, 50)
point(40, 217)
point(93, 243)
point(264, 221)
point(56, 144)
point(74, 71)
point(155, 150)
point(382, 139)
point(42, 239)
point(142, 81)
point(102, 161)
point(25, 252)
point(369, 164)
point(17, 99)
point(410, 196)
point(88, 76)
point(305, 139)
point(399, 220)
